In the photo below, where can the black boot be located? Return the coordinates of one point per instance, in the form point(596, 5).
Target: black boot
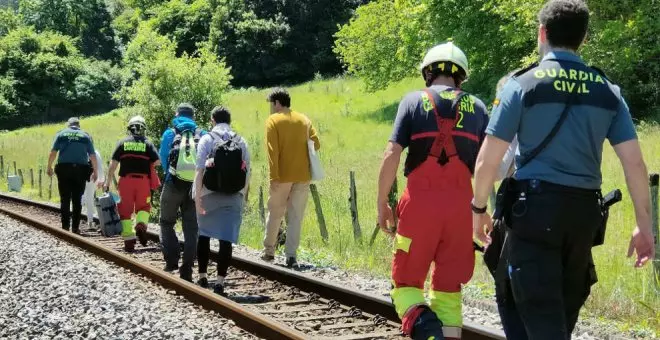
point(427, 326)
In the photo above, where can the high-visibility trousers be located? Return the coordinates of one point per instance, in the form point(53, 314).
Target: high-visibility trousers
point(435, 226)
point(135, 193)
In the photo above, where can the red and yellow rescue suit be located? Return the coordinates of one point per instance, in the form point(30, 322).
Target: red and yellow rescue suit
point(137, 177)
point(443, 129)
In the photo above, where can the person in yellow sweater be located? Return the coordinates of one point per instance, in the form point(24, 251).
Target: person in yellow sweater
point(286, 140)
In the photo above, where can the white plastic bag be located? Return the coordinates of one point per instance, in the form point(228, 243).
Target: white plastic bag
point(314, 161)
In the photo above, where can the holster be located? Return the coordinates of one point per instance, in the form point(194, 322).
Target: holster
point(501, 215)
point(606, 202)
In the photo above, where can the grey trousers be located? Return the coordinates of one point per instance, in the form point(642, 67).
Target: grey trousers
point(177, 196)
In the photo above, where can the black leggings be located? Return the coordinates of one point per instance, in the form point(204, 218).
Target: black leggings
point(204, 252)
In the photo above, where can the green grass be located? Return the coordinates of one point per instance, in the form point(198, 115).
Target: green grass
point(354, 127)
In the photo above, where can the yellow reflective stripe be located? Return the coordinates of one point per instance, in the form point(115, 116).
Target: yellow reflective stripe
point(142, 217)
point(448, 307)
point(452, 332)
point(127, 229)
point(402, 243)
point(406, 297)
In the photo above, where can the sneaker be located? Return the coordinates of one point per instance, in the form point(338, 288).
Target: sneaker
point(129, 245)
point(141, 232)
point(291, 263)
point(219, 289)
point(169, 268)
point(267, 257)
point(203, 282)
point(76, 231)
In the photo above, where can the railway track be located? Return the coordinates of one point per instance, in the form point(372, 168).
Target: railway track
point(264, 299)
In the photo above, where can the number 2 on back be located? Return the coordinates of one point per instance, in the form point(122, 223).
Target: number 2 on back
point(459, 124)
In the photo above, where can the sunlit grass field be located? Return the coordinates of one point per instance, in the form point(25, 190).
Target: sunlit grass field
point(354, 127)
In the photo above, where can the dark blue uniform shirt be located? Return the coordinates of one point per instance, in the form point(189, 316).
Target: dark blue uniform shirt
point(415, 127)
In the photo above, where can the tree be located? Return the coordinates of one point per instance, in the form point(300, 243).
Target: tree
point(386, 39)
point(166, 80)
point(44, 78)
point(88, 20)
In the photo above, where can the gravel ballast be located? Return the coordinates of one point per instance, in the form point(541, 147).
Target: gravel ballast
point(52, 290)
point(483, 312)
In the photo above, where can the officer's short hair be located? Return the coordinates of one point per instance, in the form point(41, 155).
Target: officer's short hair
point(185, 109)
point(221, 114)
point(566, 22)
point(281, 95)
point(73, 121)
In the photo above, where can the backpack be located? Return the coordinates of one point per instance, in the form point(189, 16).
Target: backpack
point(229, 173)
point(182, 164)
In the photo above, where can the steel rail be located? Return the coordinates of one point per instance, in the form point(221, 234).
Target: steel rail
point(252, 322)
point(369, 303)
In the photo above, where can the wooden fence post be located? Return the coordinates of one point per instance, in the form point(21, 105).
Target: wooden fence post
point(50, 188)
point(357, 232)
point(15, 171)
point(319, 212)
point(392, 201)
point(31, 178)
point(262, 212)
point(20, 174)
point(41, 170)
point(653, 181)
point(2, 165)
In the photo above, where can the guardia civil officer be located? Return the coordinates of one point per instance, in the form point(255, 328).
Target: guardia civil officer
point(546, 268)
point(442, 127)
point(74, 150)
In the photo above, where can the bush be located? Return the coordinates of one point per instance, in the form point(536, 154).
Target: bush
point(166, 80)
point(44, 78)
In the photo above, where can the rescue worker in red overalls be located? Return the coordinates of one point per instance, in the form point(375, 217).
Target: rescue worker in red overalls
point(443, 128)
point(137, 158)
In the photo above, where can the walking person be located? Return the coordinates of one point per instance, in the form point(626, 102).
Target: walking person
point(287, 132)
point(136, 157)
point(221, 154)
point(178, 157)
point(442, 127)
point(90, 190)
point(74, 150)
point(562, 111)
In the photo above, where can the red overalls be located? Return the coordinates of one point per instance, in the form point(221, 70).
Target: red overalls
point(435, 226)
point(135, 193)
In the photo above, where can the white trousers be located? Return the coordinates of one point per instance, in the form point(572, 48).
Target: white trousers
point(88, 199)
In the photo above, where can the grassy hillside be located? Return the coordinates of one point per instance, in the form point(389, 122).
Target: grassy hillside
point(354, 127)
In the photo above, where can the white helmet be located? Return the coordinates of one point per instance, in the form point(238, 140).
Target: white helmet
point(445, 52)
point(137, 125)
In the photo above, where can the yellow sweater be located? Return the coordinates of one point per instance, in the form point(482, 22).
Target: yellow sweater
point(286, 140)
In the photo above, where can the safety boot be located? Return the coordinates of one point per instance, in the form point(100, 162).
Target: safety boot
point(141, 232)
point(129, 245)
point(422, 324)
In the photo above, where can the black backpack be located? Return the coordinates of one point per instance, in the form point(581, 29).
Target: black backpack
point(229, 173)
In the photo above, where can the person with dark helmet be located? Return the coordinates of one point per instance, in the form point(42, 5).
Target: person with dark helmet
point(74, 150)
point(136, 157)
point(561, 111)
point(442, 127)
